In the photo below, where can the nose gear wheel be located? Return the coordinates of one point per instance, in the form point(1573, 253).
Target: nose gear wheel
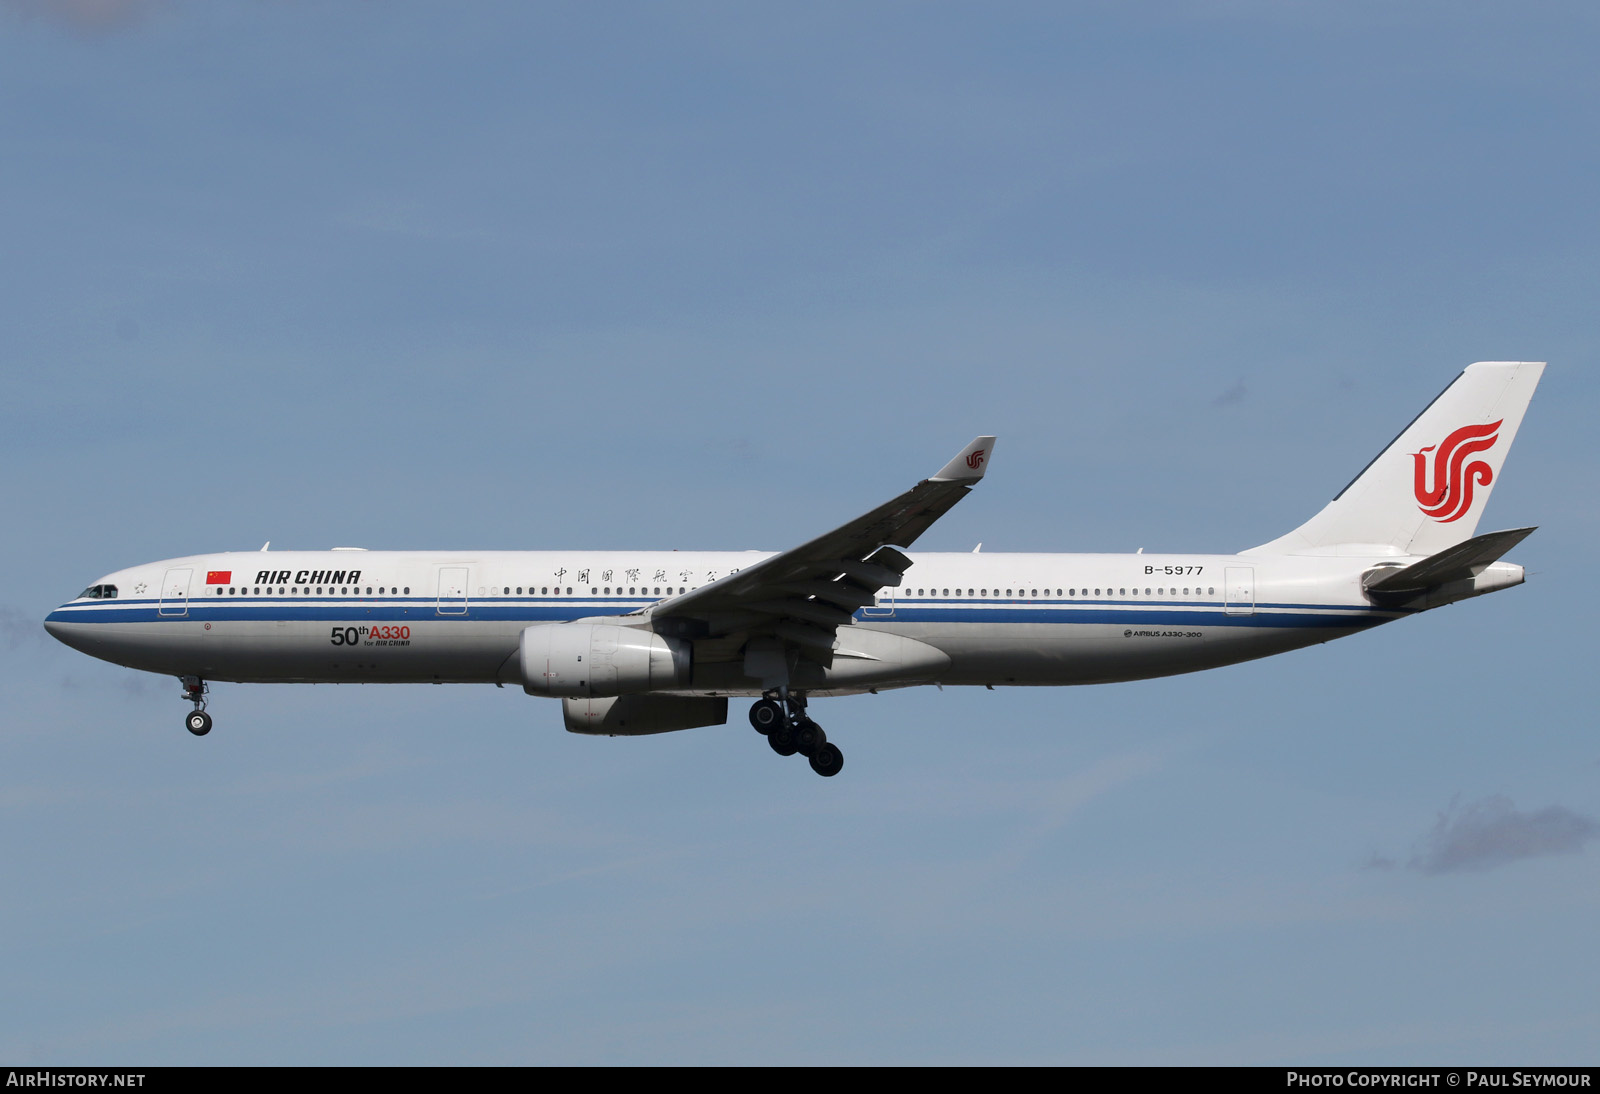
point(196, 721)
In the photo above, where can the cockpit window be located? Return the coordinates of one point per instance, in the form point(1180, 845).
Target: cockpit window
point(99, 592)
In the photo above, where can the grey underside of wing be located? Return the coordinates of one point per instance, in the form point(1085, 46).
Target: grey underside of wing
point(802, 595)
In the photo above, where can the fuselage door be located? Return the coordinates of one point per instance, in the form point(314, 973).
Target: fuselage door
point(452, 590)
point(1239, 590)
point(175, 593)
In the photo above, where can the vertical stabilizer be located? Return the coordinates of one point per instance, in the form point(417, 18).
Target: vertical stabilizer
point(1426, 491)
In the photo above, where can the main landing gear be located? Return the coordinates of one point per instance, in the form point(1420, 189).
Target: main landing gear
point(780, 716)
point(194, 689)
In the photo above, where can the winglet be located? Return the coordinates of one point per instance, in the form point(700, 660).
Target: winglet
point(970, 465)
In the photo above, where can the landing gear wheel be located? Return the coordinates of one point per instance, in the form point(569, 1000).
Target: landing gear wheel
point(808, 737)
point(781, 738)
point(827, 760)
point(198, 723)
point(765, 714)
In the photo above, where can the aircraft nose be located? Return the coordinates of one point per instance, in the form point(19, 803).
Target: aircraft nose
point(58, 630)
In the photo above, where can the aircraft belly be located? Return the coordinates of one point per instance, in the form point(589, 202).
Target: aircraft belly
point(282, 651)
point(1042, 654)
point(429, 649)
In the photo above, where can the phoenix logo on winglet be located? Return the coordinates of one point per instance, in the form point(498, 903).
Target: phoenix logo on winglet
point(975, 460)
point(1453, 478)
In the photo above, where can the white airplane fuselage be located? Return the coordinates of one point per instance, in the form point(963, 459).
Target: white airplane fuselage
point(638, 642)
point(1000, 619)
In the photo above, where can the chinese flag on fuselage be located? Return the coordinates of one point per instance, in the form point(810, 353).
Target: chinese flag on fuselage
point(218, 577)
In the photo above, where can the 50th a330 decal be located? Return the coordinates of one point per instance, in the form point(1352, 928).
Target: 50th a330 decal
point(378, 635)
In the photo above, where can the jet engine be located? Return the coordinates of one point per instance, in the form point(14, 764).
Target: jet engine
point(586, 660)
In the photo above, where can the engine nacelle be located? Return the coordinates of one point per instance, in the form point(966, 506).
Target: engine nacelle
point(636, 715)
point(584, 660)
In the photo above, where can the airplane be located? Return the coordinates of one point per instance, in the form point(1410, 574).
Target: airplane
point(638, 642)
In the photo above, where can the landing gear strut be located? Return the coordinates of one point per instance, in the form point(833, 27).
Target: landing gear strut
point(780, 715)
point(194, 689)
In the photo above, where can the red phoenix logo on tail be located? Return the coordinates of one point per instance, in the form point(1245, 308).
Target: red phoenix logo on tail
point(1453, 477)
point(975, 460)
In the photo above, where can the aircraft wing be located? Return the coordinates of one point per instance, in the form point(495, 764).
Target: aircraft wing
point(804, 594)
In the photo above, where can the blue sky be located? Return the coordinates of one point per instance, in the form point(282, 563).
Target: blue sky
point(723, 276)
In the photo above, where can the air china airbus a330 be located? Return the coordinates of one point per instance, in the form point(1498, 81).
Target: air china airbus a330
point(636, 642)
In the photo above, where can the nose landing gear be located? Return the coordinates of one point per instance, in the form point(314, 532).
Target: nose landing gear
point(194, 689)
point(780, 716)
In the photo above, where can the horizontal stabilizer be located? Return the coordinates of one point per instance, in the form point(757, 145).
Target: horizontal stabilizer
point(1463, 562)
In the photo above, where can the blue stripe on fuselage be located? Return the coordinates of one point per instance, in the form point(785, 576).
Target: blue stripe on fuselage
point(421, 609)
